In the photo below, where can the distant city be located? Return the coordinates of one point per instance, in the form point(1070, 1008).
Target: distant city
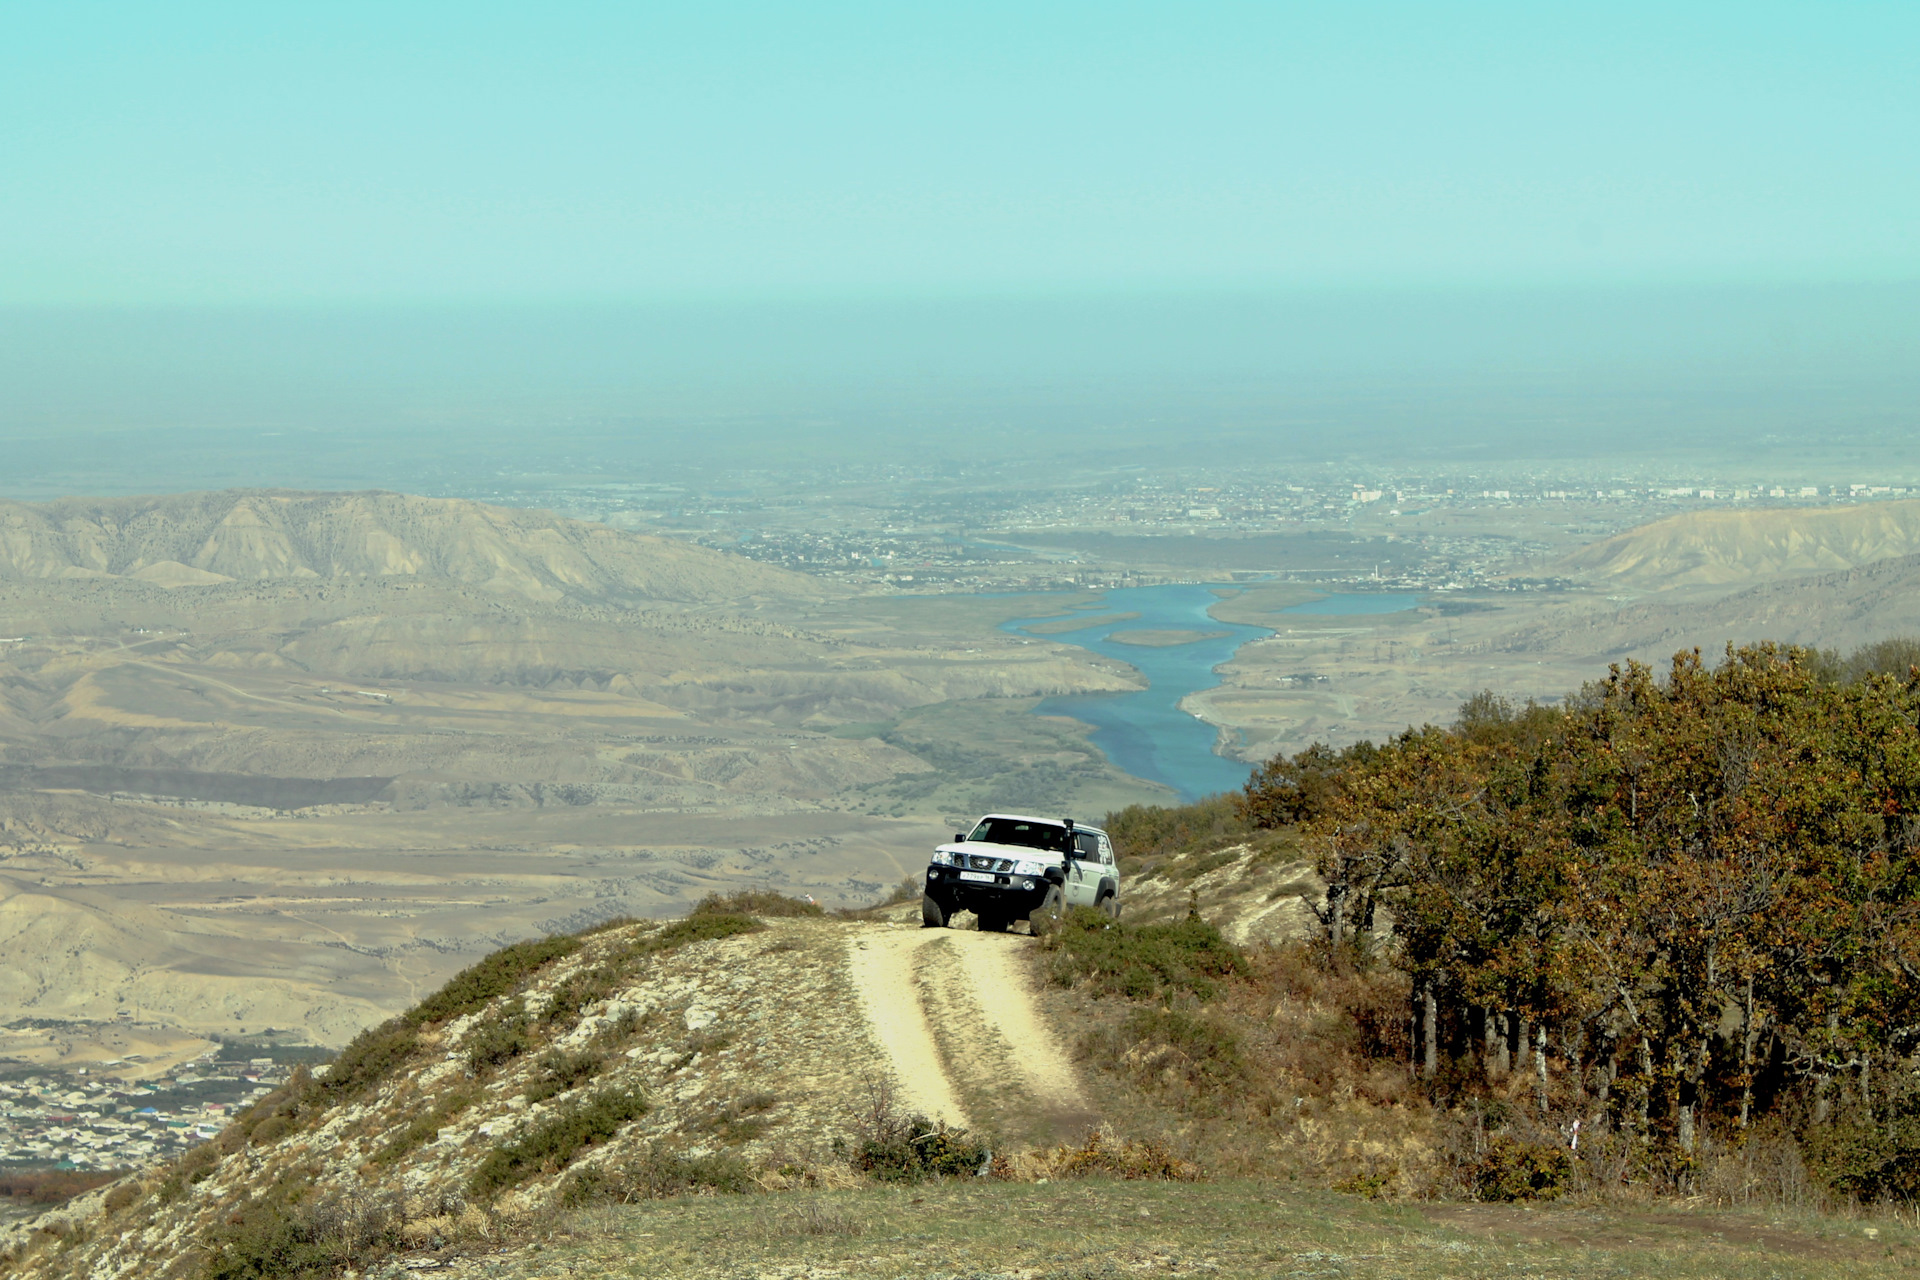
point(923, 531)
point(57, 1119)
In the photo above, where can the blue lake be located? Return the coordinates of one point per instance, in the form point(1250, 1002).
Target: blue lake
point(1146, 733)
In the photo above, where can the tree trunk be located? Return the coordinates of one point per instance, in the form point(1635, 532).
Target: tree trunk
point(1493, 1043)
point(1646, 1076)
point(1540, 1063)
point(1430, 1033)
point(1524, 1046)
point(1748, 1032)
point(1336, 916)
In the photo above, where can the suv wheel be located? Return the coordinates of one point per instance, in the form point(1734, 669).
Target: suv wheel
point(1108, 906)
point(933, 915)
point(1043, 918)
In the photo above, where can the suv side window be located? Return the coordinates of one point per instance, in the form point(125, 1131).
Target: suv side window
point(1086, 845)
point(1106, 850)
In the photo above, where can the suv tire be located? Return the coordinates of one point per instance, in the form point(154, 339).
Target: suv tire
point(1108, 906)
point(933, 914)
point(1044, 918)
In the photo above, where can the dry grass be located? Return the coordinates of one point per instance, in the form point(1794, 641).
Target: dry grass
point(1099, 1227)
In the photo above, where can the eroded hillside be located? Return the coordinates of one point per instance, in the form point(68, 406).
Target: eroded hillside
point(721, 1052)
point(368, 738)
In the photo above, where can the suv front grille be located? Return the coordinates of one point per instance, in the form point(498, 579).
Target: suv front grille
point(980, 862)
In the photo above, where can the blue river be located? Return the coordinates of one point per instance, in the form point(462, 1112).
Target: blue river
point(1145, 732)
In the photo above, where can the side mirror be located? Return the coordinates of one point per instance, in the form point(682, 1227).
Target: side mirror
point(959, 837)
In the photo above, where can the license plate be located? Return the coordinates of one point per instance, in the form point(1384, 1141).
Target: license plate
point(982, 876)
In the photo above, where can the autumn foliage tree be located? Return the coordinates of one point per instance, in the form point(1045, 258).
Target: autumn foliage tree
point(1677, 902)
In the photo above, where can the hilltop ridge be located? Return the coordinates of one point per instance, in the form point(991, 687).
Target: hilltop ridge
point(258, 535)
point(1720, 548)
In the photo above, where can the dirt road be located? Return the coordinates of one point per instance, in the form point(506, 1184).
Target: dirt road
point(965, 1039)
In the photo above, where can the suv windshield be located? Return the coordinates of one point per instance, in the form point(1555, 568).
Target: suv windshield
point(1032, 835)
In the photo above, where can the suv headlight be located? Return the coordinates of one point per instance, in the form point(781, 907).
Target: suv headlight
point(941, 858)
point(1028, 867)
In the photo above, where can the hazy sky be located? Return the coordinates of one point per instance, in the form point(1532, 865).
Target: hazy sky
point(444, 152)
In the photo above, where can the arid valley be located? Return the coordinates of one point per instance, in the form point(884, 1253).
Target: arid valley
point(278, 763)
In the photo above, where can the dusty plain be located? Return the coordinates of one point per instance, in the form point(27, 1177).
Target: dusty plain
point(281, 762)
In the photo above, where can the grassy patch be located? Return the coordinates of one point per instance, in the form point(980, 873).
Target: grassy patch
point(655, 1173)
point(1228, 1230)
point(737, 1121)
point(1156, 961)
point(555, 1141)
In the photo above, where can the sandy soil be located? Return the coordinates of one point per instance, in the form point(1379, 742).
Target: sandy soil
point(955, 1014)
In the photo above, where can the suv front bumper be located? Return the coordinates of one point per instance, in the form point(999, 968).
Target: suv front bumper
point(986, 892)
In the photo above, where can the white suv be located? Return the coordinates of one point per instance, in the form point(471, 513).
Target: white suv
point(1012, 867)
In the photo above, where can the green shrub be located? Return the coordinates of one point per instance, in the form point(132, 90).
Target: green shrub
point(291, 1232)
point(552, 1143)
point(373, 1055)
point(558, 1071)
point(423, 1129)
point(1866, 1159)
point(700, 928)
point(502, 973)
point(756, 902)
point(500, 1038)
point(1142, 961)
point(916, 1149)
point(656, 1173)
point(580, 989)
point(1150, 831)
point(1516, 1170)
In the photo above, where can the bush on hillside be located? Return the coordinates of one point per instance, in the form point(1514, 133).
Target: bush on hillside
point(656, 1173)
point(1156, 961)
point(756, 902)
point(1152, 831)
point(553, 1142)
point(502, 973)
point(292, 1233)
point(706, 927)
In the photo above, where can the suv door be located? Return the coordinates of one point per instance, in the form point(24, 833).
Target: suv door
point(1084, 871)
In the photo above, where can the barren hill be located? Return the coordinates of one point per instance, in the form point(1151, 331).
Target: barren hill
point(747, 1048)
point(1716, 548)
point(1825, 610)
point(243, 535)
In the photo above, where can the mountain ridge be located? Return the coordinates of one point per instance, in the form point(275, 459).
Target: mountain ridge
point(1723, 548)
point(225, 536)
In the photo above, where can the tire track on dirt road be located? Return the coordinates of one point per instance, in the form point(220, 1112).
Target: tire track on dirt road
point(991, 1041)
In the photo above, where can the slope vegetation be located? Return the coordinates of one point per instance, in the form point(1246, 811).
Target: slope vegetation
point(1718, 548)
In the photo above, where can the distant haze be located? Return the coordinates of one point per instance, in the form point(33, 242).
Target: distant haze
point(489, 239)
point(109, 400)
